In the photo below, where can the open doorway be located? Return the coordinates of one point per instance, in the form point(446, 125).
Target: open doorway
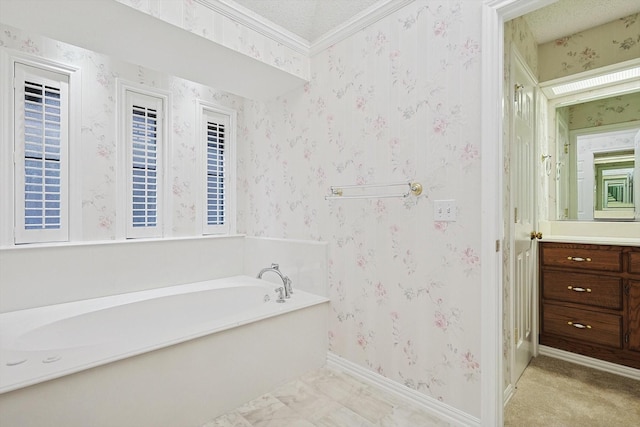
point(496, 252)
point(547, 174)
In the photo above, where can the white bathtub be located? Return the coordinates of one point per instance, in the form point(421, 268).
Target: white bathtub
point(45, 343)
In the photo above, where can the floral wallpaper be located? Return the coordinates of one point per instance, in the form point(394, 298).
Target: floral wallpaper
point(196, 17)
point(606, 44)
point(398, 101)
point(618, 109)
point(98, 130)
point(517, 34)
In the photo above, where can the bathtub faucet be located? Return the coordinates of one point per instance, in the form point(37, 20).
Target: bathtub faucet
point(288, 290)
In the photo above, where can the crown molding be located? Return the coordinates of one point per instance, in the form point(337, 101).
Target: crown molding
point(261, 25)
point(362, 20)
point(510, 9)
point(255, 22)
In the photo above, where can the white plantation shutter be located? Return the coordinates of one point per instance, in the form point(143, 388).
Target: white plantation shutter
point(144, 165)
point(41, 155)
point(217, 132)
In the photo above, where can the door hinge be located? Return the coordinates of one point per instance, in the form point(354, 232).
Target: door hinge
point(626, 337)
point(566, 213)
point(566, 148)
point(497, 245)
point(515, 214)
point(627, 289)
point(515, 335)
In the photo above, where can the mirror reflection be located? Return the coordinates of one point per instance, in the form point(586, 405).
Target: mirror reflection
point(598, 166)
point(614, 185)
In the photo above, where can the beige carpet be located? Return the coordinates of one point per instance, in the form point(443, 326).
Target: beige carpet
point(556, 393)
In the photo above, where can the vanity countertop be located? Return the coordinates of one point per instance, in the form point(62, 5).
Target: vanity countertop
point(618, 241)
point(595, 232)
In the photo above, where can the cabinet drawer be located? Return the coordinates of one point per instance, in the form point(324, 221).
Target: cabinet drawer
point(634, 262)
point(577, 256)
point(589, 289)
point(584, 325)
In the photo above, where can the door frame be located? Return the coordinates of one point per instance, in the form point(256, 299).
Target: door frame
point(494, 15)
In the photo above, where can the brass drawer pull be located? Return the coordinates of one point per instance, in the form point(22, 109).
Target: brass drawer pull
point(578, 289)
point(578, 259)
point(579, 325)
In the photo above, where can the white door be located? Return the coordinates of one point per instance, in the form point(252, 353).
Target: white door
point(562, 177)
point(523, 191)
point(585, 178)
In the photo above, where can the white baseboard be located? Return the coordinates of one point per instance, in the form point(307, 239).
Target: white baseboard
point(590, 362)
point(508, 394)
point(428, 404)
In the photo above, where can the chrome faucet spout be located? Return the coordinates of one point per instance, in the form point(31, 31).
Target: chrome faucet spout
point(285, 280)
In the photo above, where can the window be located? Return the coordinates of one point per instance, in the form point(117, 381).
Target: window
point(143, 147)
point(144, 166)
point(217, 139)
point(41, 128)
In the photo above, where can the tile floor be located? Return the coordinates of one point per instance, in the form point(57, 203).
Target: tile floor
point(326, 398)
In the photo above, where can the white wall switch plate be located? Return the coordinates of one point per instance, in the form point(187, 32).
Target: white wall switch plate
point(444, 210)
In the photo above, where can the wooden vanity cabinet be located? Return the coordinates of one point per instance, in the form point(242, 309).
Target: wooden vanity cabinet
point(590, 300)
point(634, 315)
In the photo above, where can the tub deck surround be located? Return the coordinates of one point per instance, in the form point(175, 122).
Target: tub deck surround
point(44, 343)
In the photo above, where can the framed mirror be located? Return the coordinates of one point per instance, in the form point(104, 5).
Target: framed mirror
point(593, 121)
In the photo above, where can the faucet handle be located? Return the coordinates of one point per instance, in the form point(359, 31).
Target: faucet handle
point(280, 292)
point(288, 284)
point(275, 266)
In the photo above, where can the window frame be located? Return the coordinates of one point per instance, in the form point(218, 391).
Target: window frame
point(128, 94)
point(10, 235)
point(204, 112)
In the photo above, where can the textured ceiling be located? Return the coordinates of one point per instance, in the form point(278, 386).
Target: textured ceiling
point(567, 17)
point(311, 19)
